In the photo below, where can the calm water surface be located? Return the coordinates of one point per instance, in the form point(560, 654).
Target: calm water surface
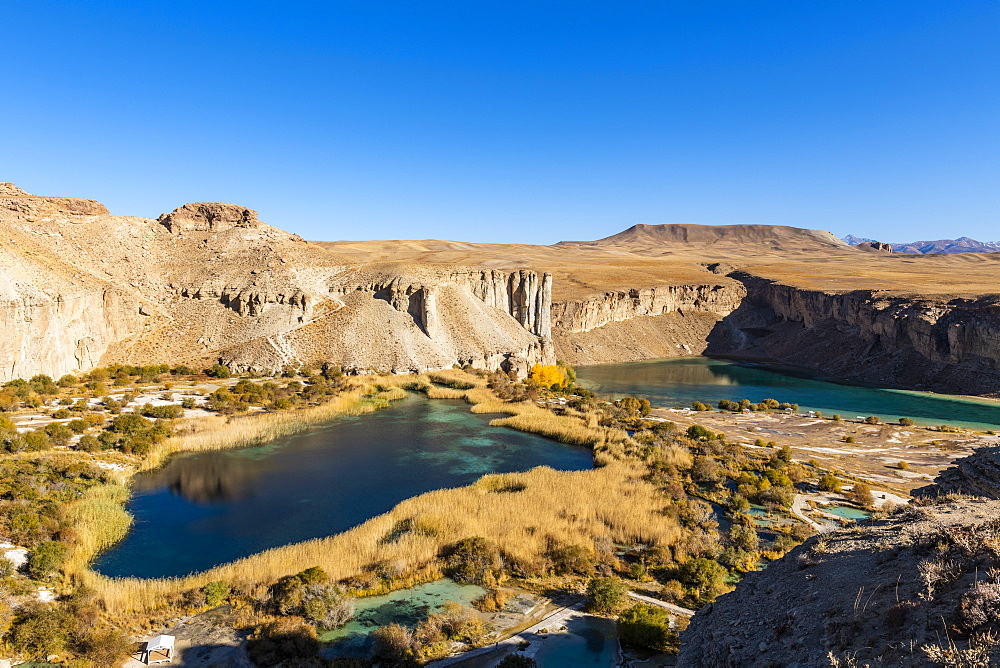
point(678, 382)
point(205, 509)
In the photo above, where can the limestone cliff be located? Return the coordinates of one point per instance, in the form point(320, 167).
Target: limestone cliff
point(945, 345)
point(210, 282)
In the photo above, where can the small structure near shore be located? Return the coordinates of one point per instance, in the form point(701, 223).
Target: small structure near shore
point(160, 650)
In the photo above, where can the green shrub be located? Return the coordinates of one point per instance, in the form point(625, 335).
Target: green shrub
point(476, 561)
point(906, 422)
point(648, 626)
point(215, 593)
point(40, 630)
point(130, 423)
point(572, 560)
point(46, 559)
point(218, 371)
point(608, 595)
point(704, 579)
point(829, 483)
point(697, 432)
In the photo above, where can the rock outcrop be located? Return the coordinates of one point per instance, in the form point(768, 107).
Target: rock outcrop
point(585, 315)
point(16, 203)
point(209, 217)
point(896, 592)
point(976, 475)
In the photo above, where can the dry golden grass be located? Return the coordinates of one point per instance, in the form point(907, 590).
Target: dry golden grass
point(522, 512)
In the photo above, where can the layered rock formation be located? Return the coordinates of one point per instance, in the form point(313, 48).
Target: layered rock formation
point(951, 346)
point(210, 281)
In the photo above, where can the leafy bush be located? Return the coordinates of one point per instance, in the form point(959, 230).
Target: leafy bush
point(169, 411)
point(829, 483)
point(697, 432)
point(572, 560)
point(215, 593)
point(41, 630)
point(906, 422)
point(47, 558)
point(648, 626)
point(218, 371)
point(704, 579)
point(608, 595)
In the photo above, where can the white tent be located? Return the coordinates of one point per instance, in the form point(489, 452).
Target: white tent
point(160, 650)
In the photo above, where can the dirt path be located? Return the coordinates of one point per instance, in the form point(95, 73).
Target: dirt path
point(676, 609)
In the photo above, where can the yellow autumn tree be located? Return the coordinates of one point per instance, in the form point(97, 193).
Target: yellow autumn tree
point(548, 375)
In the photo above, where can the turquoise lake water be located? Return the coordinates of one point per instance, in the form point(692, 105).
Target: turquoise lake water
point(678, 382)
point(206, 509)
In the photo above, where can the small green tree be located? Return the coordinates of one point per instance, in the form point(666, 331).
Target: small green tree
point(215, 593)
point(697, 432)
point(648, 626)
point(704, 579)
point(218, 371)
point(906, 422)
point(829, 483)
point(608, 595)
point(872, 419)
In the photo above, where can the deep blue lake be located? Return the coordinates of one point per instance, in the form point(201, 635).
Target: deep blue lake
point(206, 509)
point(678, 382)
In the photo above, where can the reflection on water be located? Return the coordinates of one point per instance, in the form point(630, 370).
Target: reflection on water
point(587, 641)
point(210, 477)
point(678, 382)
point(205, 509)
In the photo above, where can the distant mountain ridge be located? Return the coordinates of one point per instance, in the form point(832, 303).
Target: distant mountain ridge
point(960, 245)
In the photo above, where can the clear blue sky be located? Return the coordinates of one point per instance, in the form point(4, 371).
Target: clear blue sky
point(514, 121)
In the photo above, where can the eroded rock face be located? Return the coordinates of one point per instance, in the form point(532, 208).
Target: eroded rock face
point(884, 593)
point(583, 316)
point(16, 203)
point(951, 346)
point(209, 217)
point(10, 190)
point(977, 475)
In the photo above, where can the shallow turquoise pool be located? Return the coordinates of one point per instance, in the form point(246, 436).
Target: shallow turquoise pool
point(408, 607)
point(847, 512)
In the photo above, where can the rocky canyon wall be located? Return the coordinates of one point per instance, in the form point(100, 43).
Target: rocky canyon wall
point(58, 333)
point(947, 346)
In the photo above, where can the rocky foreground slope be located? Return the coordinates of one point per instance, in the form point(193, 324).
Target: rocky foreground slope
point(921, 588)
point(210, 282)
